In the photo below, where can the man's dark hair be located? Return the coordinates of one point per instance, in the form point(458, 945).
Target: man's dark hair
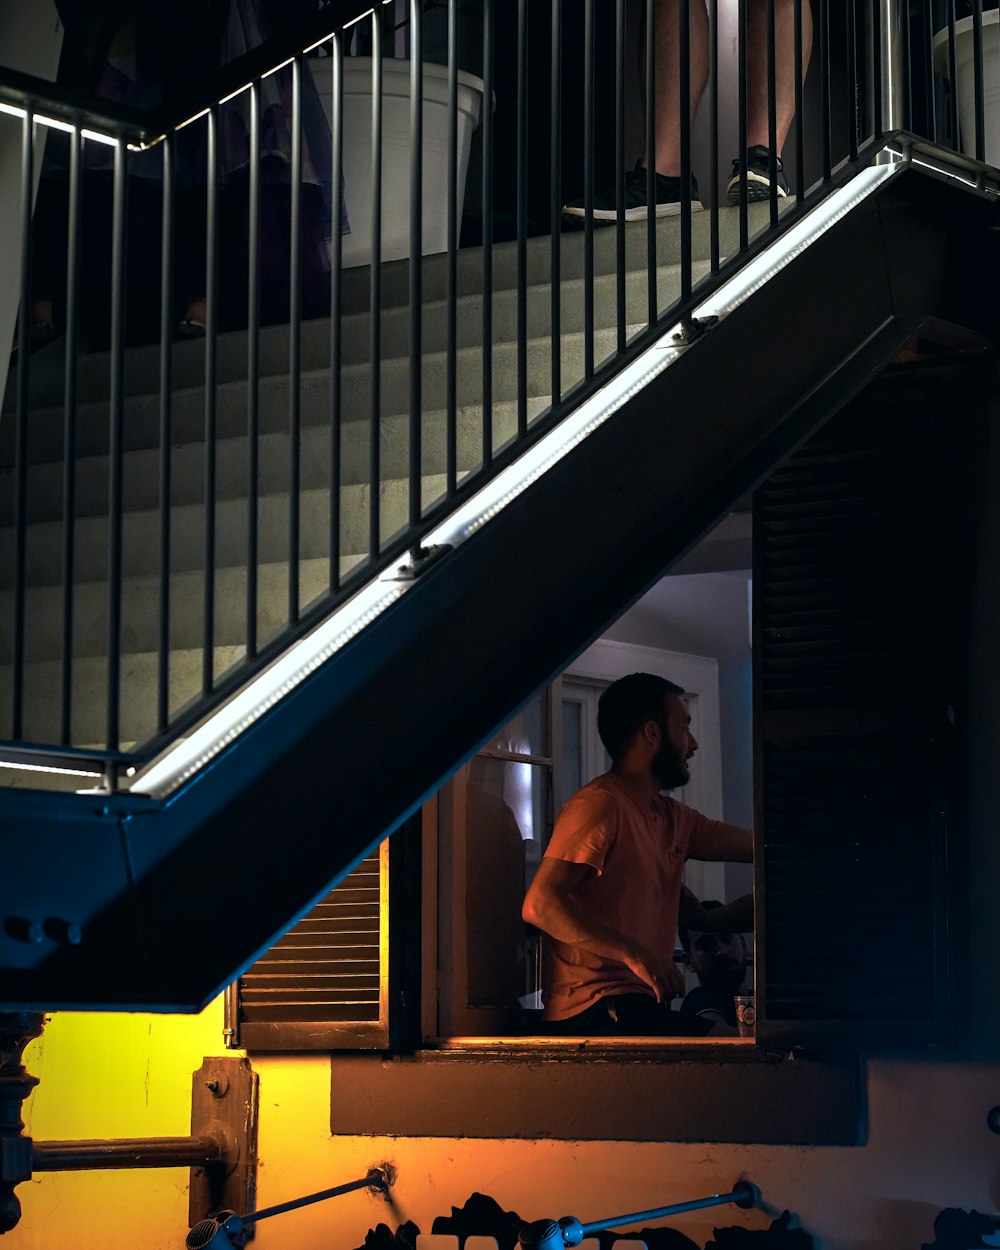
point(708, 904)
point(627, 704)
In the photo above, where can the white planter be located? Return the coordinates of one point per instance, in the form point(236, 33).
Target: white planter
point(966, 89)
point(357, 132)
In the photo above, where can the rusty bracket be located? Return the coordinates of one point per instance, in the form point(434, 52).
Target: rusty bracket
point(224, 1096)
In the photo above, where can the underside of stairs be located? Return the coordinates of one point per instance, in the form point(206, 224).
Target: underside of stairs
point(175, 896)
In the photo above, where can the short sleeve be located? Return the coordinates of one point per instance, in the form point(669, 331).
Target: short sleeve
point(699, 834)
point(585, 830)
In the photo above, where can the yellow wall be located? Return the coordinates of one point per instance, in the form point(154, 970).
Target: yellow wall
point(122, 1075)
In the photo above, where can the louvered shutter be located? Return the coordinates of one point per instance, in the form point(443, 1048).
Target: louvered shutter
point(324, 985)
point(853, 673)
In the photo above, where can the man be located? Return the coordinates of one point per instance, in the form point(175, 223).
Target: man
point(756, 161)
point(720, 963)
point(608, 891)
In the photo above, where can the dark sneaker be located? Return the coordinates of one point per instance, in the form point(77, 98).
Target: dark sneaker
point(758, 166)
point(636, 205)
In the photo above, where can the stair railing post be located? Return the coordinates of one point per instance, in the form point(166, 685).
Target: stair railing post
point(890, 108)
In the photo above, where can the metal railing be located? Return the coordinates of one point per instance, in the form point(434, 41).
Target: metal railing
point(179, 511)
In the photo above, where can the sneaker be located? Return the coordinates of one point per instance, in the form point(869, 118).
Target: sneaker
point(758, 165)
point(668, 199)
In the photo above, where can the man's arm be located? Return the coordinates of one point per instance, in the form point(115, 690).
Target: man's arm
point(721, 841)
point(552, 904)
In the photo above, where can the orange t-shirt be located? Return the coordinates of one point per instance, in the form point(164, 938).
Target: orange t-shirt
point(638, 855)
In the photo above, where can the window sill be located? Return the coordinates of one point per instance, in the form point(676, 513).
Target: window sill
point(639, 1089)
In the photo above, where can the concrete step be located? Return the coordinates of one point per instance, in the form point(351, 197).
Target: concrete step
point(141, 610)
point(142, 409)
point(141, 366)
point(142, 412)
point(139, 685)
point(141, 531)
point(187, 461)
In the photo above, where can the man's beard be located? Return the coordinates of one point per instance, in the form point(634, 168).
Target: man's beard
point(725, 976)
point(669, 769)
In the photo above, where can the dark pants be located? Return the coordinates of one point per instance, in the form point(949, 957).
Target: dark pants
point(629, 1015)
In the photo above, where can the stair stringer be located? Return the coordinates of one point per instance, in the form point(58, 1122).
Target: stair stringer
point(174, 898)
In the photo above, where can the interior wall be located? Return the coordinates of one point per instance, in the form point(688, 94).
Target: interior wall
point(708, 614)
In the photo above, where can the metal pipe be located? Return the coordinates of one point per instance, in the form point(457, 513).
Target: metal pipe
point(166, 430)
point(889, 66)
point(772, 117)
point(69, 435)
point(451, 301)
point(21, 432)
point(487, 249)
point(211, 347)
point(336, 343)
point(522, 218)
point(253, 368)
point(652, 294)
point(552, 1235)
point(116, 452)
point(555, 207)
point(684, 19)
point(295, 347)
point(416, 271)
point(621, 319)
point(375, 297)
point(713, 131)
point(126, 1152)
point(588, 189)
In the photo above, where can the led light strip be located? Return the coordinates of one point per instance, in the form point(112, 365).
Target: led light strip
point(185, 758)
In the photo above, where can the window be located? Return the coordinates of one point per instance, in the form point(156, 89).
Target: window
point(853, 681)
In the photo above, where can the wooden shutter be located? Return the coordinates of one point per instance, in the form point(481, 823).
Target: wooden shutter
point(854, 604)
point(325, 984)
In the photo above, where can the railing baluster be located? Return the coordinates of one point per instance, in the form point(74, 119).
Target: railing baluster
point(69, 433)
point(253, 370)
point(772, 116)
point(684, 78)
point(824, 89)
point(955, 136)
point(295, 348)
point(742, 120)
point(588, 189)
point(21, 430)
point(555, 206)
point(487, 127)
point(977, 43)
point(166, 429)
point(416, 272)
point(211, 350)
point(713, 131)
point(115, 449)
point(879, 71)
point(336, 259)
point(931, 94)
point(652, 295)
point(522, 218)
point(375, 297)
point(852, 77)
point(800, 147)
point(451, 303)
point(620, 274)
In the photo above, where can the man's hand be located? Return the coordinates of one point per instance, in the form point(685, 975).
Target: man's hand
point(660, 973)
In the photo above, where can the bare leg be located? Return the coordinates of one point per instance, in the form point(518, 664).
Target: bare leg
point(784, 61)
point(668, 104)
